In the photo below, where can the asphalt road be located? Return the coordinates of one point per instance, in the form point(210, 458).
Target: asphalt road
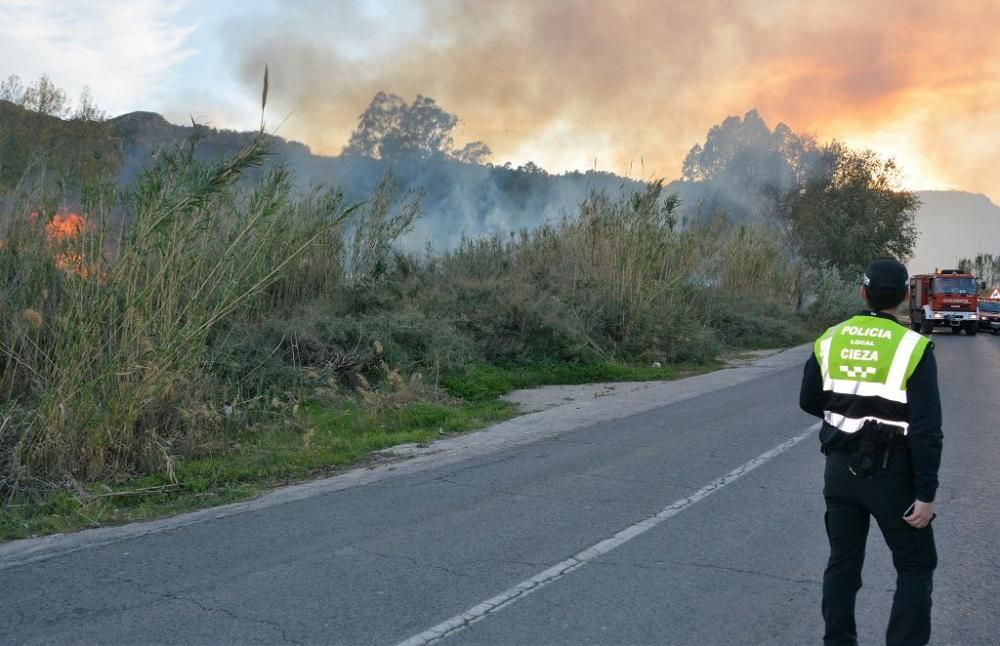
point(696, 520)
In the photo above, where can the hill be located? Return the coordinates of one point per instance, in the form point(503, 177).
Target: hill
point(460, 199)
point(953, 225)
point(65, 151)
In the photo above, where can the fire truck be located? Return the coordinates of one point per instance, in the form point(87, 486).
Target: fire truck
point(946, 298)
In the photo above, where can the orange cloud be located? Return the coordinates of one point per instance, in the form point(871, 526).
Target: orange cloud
point(567, 81)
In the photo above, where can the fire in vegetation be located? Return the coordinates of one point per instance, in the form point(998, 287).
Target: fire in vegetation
point(63, 235)
point(63, 230)
point(64, 225)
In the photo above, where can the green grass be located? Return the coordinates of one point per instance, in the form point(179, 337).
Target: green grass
point(116, 368)
point(484, 382)
point(321, 442)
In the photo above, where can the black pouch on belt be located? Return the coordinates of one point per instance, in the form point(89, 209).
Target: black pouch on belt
point(871, 448)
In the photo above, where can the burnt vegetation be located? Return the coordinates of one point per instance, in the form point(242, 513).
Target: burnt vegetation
point(188, 309)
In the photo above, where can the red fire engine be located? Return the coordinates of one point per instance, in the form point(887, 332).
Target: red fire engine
point(947, 298)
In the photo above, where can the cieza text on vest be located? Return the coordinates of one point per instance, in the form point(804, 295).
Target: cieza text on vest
point(865, 363)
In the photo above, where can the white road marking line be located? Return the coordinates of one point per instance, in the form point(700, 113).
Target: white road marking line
point(578, 560)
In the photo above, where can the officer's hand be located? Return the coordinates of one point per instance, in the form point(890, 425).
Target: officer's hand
point(922, 514)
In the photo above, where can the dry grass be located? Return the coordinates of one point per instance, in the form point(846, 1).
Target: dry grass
point(626, 280)
point(196, 306)
point(104, 369)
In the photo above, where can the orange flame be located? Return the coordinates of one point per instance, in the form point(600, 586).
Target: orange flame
point(71, 262)
point(61, 232)
point(64, 226)
point(63, 229)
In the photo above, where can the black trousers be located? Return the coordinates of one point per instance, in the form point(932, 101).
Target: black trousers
point(851, 501)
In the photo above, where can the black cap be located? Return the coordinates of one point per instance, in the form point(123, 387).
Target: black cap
point(885, 274)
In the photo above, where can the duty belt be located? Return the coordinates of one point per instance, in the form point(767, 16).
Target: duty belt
point(873, 438)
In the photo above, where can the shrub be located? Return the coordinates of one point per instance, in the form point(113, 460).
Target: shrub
point(832, 295)
point(744, 321)
point(196, 304)
point(109, 377)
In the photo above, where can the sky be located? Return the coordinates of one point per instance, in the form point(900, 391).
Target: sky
point(626, 86)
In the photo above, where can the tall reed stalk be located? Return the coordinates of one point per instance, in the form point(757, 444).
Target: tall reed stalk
point(102, 363)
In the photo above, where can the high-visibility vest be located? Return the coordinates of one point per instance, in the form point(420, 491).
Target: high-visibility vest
point(866, 363)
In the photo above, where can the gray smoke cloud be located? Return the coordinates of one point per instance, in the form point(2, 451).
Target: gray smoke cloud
point(633, 83)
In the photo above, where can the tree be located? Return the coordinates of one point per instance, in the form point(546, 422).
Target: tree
point(41, 134)
point(45, 98)
point(985, 266)
point(744, 166)
point(531, 168)
point(833, 205)
point(475, 152)
point(728, 147)
point(86, 109)
point(12, 89)
point(848, 211)
point(391, 129)
point(380, 117)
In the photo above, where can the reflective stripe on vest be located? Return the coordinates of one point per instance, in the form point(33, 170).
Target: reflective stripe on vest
point(864, 358)
point(854, 424)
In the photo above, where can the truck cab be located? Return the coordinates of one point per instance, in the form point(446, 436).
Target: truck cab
point(947, 298)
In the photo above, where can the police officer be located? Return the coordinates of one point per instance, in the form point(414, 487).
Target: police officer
point(874, 384)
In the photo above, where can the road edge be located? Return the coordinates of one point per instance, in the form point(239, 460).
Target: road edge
point(515, 432)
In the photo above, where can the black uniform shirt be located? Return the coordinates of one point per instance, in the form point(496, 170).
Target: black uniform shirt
point(923, 403)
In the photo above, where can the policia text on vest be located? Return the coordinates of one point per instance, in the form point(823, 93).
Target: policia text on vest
point(874, 384)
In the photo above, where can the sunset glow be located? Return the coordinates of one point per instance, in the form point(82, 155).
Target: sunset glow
point(563, 83)
point(644, 80)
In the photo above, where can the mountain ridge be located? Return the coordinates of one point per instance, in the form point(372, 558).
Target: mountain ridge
point(954, 225)
point(468, 200)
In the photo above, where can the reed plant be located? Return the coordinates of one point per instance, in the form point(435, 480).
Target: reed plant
point(374, 230)
point(159, 323)
point(103, 359)
point(833, 294)
point(623, 280)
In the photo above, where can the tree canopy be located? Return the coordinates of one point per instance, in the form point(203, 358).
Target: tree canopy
point(43, 134)
point(392, 129)
point(985, 266)
point(848, 210)
point(836, 206)
point(749, 164)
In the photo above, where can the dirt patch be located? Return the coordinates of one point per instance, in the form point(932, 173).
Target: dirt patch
point(545, 397)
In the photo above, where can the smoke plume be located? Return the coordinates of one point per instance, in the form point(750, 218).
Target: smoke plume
point(632, 84)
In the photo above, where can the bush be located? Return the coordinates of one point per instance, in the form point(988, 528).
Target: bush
point(195, 306)
point(111, 319)
point(749, 322)
point(833, 297)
